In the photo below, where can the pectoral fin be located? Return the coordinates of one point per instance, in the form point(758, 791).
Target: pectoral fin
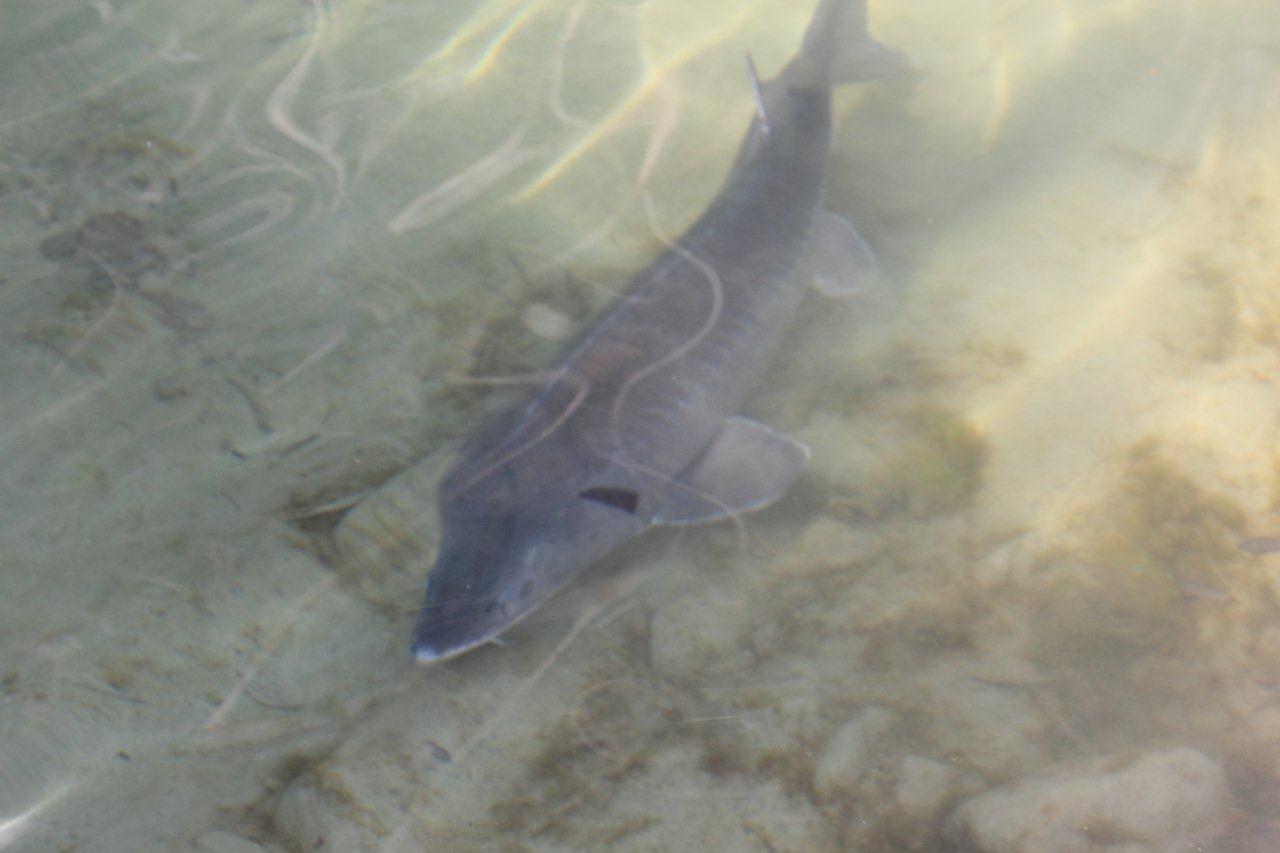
point(746, 467)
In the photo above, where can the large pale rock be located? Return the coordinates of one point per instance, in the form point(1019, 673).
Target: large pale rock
point(1162, 801)
point(386, 543)
point(846, 758)
point(924, 784)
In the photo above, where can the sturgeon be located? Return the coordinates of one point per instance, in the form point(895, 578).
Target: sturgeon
point(635, 424)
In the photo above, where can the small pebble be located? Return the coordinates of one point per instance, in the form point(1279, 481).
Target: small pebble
point(546, 322)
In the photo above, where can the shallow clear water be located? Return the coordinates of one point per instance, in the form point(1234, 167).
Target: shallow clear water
point(257, 255)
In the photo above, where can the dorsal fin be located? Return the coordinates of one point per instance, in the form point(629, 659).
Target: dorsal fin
point(758, 91)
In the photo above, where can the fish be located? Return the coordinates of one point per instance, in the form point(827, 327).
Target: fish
point(636, 424)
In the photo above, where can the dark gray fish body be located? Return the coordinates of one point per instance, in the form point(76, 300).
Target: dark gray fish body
point(635, 425)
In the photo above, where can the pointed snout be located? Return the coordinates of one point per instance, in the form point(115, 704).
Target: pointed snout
point(465, 601)
point(447, 628)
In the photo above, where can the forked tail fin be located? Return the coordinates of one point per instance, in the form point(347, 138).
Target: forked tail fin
point(837, 49)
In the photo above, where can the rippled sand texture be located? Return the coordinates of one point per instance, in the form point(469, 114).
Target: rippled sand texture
point(263, 262)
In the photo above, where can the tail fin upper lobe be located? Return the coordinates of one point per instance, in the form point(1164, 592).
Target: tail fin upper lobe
point(837, 49)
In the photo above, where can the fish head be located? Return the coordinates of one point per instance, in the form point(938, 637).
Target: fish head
point(512, 539)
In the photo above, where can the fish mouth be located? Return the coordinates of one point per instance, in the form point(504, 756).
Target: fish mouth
point(461, 607)
point(448, 628)
point(425, 653)
point(441, 635)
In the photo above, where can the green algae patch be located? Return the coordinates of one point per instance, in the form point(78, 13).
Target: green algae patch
point(1110, 612)
point(1125, 593)
point(607, 736)
point(938, 470)
point(1164, 522)
point(917, 462)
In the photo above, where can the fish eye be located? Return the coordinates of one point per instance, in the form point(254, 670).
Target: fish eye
point(621, 499)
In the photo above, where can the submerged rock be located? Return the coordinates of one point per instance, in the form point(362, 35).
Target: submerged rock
point(384, 546)
point(847, 756)
point(1162, 801)
point(924, 784)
